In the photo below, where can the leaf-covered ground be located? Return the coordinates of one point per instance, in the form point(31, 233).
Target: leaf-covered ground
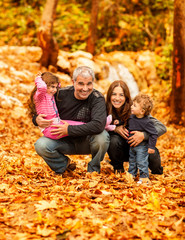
point(37, 204)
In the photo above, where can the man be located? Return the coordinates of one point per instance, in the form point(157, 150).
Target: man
point(79, 102)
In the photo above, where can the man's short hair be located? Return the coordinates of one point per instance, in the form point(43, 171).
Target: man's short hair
point(83, 71)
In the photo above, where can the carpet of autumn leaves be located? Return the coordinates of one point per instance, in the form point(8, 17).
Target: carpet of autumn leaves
point(37, 204)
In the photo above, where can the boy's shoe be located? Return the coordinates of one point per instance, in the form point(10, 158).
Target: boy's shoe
point(143, 180)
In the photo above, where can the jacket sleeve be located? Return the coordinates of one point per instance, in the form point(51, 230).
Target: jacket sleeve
point(159, 126)
point(41, 88)
point(151, 130)
point(39, 94)
point(97, 123)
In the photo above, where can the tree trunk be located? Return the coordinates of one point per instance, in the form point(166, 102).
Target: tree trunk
point(91, 41)
point(178, 81)
point(45, 35)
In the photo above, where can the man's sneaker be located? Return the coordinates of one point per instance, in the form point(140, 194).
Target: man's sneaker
point(70, 166)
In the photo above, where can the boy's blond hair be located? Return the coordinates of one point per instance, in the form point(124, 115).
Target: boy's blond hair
point(145, 102)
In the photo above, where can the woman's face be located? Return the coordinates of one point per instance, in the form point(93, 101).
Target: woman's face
point(117, 97)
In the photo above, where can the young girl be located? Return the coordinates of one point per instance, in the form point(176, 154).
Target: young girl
point(43, 102)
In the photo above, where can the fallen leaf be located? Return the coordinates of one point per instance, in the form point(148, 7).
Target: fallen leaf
point(42, 205)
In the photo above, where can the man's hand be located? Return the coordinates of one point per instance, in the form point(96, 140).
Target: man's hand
point(151, 151)
point(61, 129)
point(122, 131)
point(136, 138)
point(43, 123)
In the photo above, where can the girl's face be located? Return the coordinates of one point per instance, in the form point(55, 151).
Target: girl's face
point(52, 89)
point(117, 97)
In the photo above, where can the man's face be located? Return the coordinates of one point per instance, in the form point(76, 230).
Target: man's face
point(83, 87)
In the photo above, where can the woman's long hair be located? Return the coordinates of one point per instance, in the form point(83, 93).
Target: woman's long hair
point(49, 79)
point(123, 113)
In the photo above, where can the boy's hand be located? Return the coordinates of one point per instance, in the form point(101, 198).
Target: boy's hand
point(151, 151)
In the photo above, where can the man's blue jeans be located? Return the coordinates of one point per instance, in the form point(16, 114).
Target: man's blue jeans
point(53, 151)
point(139, 160)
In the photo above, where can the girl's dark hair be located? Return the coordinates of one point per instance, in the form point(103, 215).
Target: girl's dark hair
point(124, 112)
point(49, 79)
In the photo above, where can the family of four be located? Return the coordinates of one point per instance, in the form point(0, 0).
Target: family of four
point(77, 120)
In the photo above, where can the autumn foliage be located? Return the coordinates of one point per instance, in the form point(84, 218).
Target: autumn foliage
point(37, 204)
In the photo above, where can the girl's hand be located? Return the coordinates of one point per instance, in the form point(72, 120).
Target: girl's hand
point(38, 74)
point(122, 131)
point(136, 138)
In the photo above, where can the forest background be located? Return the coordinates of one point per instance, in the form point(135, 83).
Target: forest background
point(122, 25)
point(35, 203)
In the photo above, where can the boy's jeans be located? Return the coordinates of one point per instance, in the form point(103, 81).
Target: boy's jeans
point(139, 160)
point(52, 151)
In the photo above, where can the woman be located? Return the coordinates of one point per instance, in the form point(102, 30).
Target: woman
point(119, 106)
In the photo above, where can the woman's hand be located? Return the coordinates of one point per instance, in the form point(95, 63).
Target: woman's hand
point(43, 123)
point(61, 129)
point(122, 131)
point(136, 138)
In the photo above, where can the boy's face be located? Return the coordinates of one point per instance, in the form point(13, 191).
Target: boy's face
point(52, 89)
point(137, 110)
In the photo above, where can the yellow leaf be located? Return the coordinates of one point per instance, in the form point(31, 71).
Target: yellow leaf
point(21, 236)
point(154, 202)
point(46, 205)
point(39, 215)
point(44, 231)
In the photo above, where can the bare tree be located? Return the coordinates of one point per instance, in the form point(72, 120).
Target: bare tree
point(178, 80)
point(45, 35)
point(91, 41)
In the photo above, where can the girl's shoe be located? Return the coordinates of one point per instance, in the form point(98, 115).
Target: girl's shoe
point(109, 126)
